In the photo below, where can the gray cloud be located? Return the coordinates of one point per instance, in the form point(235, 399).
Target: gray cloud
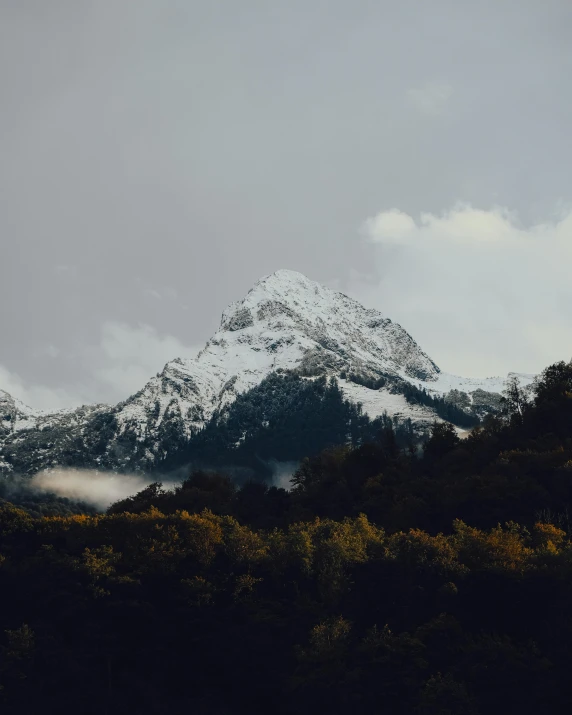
point(431, 98)
point(112, 369)
point(195, 146)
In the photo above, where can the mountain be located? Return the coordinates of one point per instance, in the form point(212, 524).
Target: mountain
point(279, 345)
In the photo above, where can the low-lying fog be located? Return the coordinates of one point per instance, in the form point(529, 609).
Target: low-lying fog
point(101, 489)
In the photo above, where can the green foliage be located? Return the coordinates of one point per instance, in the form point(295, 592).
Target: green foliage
point(443, 440)
point(450, 408)
point(372, 383)
point(285, 418)
point(13, 520)
point(16, 656)
point(555, 384)
point(18, 491)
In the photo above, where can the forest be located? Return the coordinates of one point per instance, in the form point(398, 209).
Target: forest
point(284, 418)
point(387, 580)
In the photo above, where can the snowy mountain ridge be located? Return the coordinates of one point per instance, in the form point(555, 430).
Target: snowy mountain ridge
point(285, 323)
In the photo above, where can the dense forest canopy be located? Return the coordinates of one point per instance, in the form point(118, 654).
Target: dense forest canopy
point(384, 581)
point(285, 418)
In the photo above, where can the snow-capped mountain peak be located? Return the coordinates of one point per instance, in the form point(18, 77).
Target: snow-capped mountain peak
point(294, 322)
point(286, 323)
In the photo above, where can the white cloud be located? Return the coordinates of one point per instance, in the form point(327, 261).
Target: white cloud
point(118, 365)
point(461, 223)
point(98, 488)
point(430, 99)
point(480, 292)
point(392, 225)
point(128, 356)
point(38, 396)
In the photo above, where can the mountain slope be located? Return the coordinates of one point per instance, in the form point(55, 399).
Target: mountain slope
point(285, 324)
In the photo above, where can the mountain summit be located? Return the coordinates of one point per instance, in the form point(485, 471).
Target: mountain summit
point(285, 325)
point(299, 322)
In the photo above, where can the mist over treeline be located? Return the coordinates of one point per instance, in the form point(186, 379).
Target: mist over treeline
point(23, 492)
point(283, 419)
point(262, 438)
point(61, 491)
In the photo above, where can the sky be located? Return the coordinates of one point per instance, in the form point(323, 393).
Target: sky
point(160, 156)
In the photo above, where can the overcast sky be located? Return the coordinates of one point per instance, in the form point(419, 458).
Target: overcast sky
point(157, 157)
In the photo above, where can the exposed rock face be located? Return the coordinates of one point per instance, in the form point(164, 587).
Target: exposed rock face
point(286, 322)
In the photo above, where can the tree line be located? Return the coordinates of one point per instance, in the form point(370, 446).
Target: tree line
point(384, 581)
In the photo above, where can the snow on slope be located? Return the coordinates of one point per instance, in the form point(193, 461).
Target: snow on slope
point(15, 415)
point(285, 322)
point(287, 306)
point(446, 382)
point(289, 322)
point(376, 402)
